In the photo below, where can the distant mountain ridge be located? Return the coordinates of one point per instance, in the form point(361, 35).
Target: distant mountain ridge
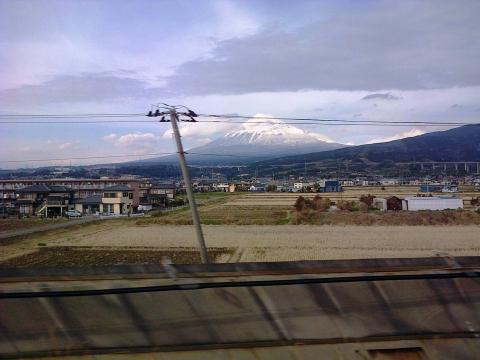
point(457, 144)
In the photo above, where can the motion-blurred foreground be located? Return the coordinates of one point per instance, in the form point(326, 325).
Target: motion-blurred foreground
point(420, 308)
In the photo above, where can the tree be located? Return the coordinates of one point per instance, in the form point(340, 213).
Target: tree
point(367, 199)
point(300, 203)
point(321, 204)
point(271, 188)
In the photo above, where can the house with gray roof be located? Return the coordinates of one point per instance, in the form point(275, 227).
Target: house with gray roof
point(44, 200)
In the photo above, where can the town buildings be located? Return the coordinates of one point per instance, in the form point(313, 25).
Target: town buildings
point(82, 188)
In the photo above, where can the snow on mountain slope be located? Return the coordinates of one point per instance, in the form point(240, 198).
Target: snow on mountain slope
point(259, 138)
point(269, 139)
point(273, 132)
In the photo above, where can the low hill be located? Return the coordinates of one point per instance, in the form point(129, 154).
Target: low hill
point(458, 144)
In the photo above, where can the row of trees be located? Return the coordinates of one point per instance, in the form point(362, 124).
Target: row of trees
point(322, 204)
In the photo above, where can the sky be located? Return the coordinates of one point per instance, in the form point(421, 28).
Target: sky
point(356, 60)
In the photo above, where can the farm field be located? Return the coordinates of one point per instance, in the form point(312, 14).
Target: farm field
point(263, 230)
point(11, 224)
point(349, 193)
point(250, 243)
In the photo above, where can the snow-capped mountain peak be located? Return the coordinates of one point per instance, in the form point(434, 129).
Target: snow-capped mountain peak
point(259, 138)
point(271, 132)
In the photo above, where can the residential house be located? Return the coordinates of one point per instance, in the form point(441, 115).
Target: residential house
point(450, 189)
point(257, 188)
point(348, 183)
point(89, 205)
point(170, 190)
point(44, 200)
point(117, 199)
point(225, 187)
point(330, 186)
point(426, 188)
point(150, 201)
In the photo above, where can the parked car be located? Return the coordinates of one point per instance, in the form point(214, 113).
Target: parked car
point(73, 213)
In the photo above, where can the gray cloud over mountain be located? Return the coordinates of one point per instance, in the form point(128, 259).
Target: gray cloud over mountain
point(403, 45)
point(385, 96)
point(80, 88)
point(387, 45)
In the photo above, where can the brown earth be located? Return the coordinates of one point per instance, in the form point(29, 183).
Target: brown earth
point(71, 257)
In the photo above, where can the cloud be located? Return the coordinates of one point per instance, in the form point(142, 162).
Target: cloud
point(110, 137)
point(410, 133)
point(388, 45)
point(201, 130)
point(66, 145)
point(59, 144)
point(86, 87)
point(385, 96)
point(321, 137)
point(132, 139)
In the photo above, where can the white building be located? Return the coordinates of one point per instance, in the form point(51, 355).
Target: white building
point(432, 203)
point(380, 204)
point(298, 186)
point(387, 182)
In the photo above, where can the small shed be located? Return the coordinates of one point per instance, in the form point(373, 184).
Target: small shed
point(394, 203)
point(380, 203)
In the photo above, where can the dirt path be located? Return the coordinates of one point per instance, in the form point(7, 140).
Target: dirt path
point(270, 243)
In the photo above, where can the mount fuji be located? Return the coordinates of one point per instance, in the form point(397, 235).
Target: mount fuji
point(255, 141)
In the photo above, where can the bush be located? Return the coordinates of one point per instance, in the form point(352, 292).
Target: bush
point(300, 203)
point(363, 207)
point(367, 199)
point(321, 204)
point(347, 205)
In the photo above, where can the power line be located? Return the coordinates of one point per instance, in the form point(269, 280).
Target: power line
point(351, 123)
point(115, 156)
point(330, 120)
point(75, 122)
point(339, 124)
point(70, 115)
point(9, 119)
point(84, 157)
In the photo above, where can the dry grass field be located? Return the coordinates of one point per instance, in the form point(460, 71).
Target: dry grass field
point(257, 243)
point(225, 215)
point(246, 227)
point(349, 193)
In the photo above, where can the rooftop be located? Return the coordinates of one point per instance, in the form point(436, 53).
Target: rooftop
point(118, 187)
point(91, 200)
point(164, 186)
point(43, 188)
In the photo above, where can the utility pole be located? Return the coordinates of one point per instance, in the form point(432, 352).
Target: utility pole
point(172, 111)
